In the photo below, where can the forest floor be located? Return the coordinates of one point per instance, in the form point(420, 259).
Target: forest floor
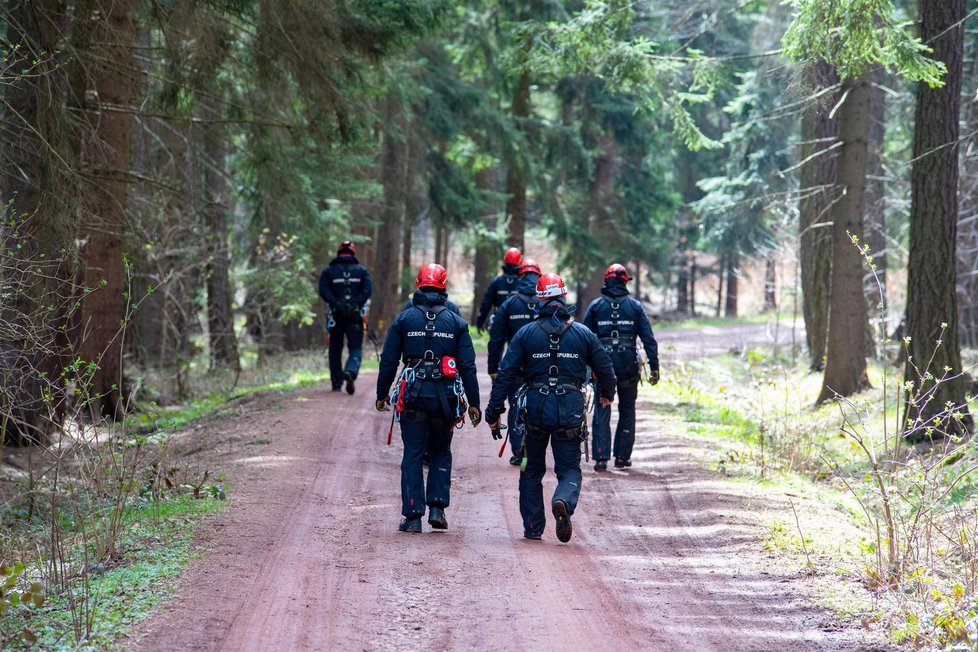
point(666, 555)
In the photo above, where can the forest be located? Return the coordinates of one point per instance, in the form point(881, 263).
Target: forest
point(174, 175)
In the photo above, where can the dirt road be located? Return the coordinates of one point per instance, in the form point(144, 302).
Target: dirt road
point(307, 557)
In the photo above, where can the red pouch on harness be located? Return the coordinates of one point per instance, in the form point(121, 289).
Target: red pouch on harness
point(401, 391)
point(448, 368)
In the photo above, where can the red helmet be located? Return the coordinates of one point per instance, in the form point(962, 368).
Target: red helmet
point(346, 247)
point(616, 271)
point(432, 275)
point(513, 256)
point(529, 265)
point(549, 286)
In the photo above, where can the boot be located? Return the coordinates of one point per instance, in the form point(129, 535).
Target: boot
point(350, 387)
point(620, 463)
point(564, 529)
point(412, 525)
point(515, 460)
point(436, 518)
point(601, 465)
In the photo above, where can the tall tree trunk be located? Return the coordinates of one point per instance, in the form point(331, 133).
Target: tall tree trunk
point(721, 267)
point(692, 286)
point(105, 159)
point(515, 172)
point(875, 238)
point(601, 205)
point(682, 284)
point(38, 196)
point(733, 271)
point(934, 359)
point(220, 316)
point(386, 277)
point(486, 250)
point(968, 218)
point(770, 285)
point(820, 131)
point(845, 359)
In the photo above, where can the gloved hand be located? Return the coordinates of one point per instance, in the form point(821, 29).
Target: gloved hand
point(492, 418)
point(654, 377)
point(493, 376)
point(475, 415)
point(606, 402)
point(381, 405)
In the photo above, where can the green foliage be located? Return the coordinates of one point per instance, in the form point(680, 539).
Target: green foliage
point(854, 35)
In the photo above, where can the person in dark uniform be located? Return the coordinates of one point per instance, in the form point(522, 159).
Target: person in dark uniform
point(439, 368)
point(501, 287)
point(517, 311)
point(345, 287)
point(618, 319)
point(552, 357)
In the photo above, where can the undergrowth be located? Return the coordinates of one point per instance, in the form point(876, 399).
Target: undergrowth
point(915, 507)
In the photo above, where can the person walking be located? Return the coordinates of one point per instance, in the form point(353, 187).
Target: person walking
point(618, 319)
point(500, 287)
point(345, 287)
point(516, 311)
point(552, 356)
point(439, 369)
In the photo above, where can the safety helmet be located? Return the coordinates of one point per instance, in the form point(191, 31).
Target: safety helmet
point(346, 247)
point(616, 271)
point(550, 286)
point(513, 256)
point(529, 265)
point(432, 275)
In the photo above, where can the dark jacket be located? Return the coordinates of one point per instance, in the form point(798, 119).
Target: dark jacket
point(406, 341)
point(498, 291)
point(616, 311)
point(345, 285)
point(517, 311)
point(529, 357)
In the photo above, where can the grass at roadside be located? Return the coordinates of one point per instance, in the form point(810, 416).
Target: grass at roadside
point(106, 599)
point(902, 533)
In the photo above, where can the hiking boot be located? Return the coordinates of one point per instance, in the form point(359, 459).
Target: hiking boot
point(535, 536)
point(564, 529)
point(627, 462)
point(410, 525)
point(620, 463)
point(436, 518)
point(515, 460)
point(350, 387)
point(601, 465)
point(337, 388)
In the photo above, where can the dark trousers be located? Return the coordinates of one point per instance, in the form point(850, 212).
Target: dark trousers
point(352, 329)
point(425, 429)
point(567, 465)
point(624, 433)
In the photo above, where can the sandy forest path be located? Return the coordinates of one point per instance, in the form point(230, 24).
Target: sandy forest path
point(307, 556)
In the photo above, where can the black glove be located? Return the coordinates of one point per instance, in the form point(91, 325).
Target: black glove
point(381, 405)
point(475, 415)
point(492, 416)
point(654, 377)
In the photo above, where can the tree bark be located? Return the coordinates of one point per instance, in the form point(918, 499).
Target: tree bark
point(682, 284)
point(105, 157)
point(820, 132)
point(220, 315)
point(770, 286)
point(486, 250)
point(934, 359)
point(38, 196)
point(845, 360)
point(721, 267)
point(601, 203)
point(733, 271)
point(875, 280)
point(515, 174)
point(386, 276)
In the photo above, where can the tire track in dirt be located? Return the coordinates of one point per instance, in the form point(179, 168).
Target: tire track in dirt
point(307, 556)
